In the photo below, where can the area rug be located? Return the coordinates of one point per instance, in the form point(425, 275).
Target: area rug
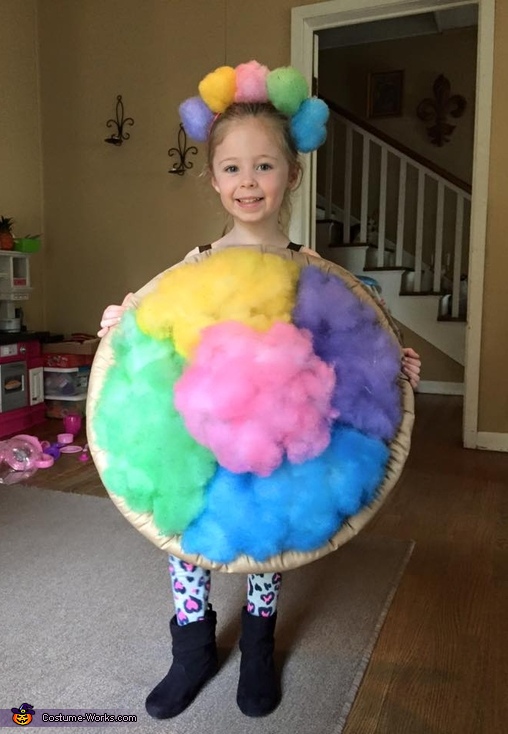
point(85, 604)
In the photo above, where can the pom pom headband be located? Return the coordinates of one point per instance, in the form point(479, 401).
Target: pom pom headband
point(285, 88)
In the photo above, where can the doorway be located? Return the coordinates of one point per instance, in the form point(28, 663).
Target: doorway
point(306, 22)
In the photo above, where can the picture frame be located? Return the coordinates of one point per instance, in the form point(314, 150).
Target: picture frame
point(385, 94)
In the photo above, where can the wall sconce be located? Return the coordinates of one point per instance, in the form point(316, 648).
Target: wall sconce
point(119, 136)
point(182, 151)
point(434, 111)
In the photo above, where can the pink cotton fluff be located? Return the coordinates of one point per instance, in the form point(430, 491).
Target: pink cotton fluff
point(251, 82)
point(255, 397)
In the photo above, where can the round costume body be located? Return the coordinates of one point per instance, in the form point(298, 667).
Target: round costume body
point(248, 413)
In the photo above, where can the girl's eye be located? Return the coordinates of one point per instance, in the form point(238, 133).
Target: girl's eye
point(265, 167)
point(231, 169)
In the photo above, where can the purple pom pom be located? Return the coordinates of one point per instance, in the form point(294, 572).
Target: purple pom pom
point(196, 118)
point(308, 126)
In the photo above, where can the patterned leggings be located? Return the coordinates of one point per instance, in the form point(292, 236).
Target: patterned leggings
point(191, 588)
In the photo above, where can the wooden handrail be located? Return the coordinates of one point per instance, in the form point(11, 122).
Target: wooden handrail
point(356, 120)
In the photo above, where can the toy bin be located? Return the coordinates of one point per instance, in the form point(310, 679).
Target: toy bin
point(27, 244)
point(67, 360)
point(65, 381)
point(59, 407)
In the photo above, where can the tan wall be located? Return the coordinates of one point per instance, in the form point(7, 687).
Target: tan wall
point(113, 216)
point(343, 78)
point(20, 150)
point(436, 366)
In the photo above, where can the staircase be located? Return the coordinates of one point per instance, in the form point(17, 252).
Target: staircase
point(385, 212)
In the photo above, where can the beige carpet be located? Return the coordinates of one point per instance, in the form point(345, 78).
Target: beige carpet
point(85, 605)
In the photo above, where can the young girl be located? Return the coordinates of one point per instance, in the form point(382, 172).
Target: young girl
point(254, 165)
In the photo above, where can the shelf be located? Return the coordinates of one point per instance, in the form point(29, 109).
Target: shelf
point(67, 369)
point(81, 396)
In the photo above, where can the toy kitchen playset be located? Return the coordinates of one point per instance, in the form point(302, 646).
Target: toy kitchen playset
point(33, 384)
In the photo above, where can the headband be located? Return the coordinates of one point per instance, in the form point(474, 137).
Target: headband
point(285, 88)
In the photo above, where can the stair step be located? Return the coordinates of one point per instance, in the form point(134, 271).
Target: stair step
point(348, 244)
point(456, 319)
point(421, 293)
point(386, 268)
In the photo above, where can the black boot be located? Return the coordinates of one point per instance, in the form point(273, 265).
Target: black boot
point(194, 663)
point(258, 691)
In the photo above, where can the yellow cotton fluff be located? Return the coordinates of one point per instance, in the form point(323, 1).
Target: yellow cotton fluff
point(254, 288)
point(218, 88)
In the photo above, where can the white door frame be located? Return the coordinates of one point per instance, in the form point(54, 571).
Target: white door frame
point(307, 19)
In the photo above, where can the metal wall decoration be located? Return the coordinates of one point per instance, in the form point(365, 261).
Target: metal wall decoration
point(435, 111)
point(119, 136)
point(181, 152)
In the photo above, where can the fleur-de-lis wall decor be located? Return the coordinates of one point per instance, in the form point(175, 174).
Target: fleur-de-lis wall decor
point(435, 111)
point(181, 153)
point(119, 135)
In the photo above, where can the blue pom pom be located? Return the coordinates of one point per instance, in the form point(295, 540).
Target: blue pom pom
point(308, 126)
point(196, 118)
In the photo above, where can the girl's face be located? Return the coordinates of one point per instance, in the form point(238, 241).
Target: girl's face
point(251, 172)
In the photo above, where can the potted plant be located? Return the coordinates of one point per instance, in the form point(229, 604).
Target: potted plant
point(6, 236)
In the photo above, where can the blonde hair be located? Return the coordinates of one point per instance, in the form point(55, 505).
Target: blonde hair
point(280, 124)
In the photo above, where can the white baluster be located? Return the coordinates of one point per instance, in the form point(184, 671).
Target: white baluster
point(330, 154)
point(383, 183)
point(401, 212)
point(419, 230)
point(438, 252)
point(347, 184)
point(365, 187)
point(457, 256)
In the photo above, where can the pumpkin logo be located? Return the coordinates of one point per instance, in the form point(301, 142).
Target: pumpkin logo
point(23, 715)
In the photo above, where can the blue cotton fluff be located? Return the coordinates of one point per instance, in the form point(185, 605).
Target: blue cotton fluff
point(308, 125)
point(298, 507)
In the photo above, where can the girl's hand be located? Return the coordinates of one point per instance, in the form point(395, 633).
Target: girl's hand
point(112, 316)
point(411, 366)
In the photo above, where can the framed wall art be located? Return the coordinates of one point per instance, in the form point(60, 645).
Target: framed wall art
point(385, 92)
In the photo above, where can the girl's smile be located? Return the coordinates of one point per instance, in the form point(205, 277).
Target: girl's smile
point(251, 173)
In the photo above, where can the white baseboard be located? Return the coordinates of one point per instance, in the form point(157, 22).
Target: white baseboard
point(441, 388)
point(492, 441)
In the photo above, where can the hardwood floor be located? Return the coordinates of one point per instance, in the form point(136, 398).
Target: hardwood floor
point(67, 474)
point(440, 665)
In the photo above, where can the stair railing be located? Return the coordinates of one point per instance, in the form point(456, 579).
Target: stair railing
point(343, 126)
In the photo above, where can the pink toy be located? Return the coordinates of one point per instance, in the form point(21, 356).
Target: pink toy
point(20, 457)
point(65, 438)
point(72, 423)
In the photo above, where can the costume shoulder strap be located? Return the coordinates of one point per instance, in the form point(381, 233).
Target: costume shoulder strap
point(204, 248)
point(294, 247)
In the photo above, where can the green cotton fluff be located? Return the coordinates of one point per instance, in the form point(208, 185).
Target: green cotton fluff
point(152, 462)
point(287, 88)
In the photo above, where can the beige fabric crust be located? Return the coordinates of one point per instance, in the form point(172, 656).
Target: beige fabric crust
point(399, 447)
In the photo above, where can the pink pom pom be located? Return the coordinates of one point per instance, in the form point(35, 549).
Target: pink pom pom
point(254, 397)
point(251, 82)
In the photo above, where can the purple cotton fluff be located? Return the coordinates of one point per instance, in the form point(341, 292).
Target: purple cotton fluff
point(308, 126)
point(196, 118)
point(366, 358)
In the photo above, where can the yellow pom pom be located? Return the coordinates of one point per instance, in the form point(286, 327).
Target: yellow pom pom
point(257, 289)
point(218, 88)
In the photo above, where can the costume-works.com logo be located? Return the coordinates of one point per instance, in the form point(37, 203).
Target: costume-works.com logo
point(23, 715)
